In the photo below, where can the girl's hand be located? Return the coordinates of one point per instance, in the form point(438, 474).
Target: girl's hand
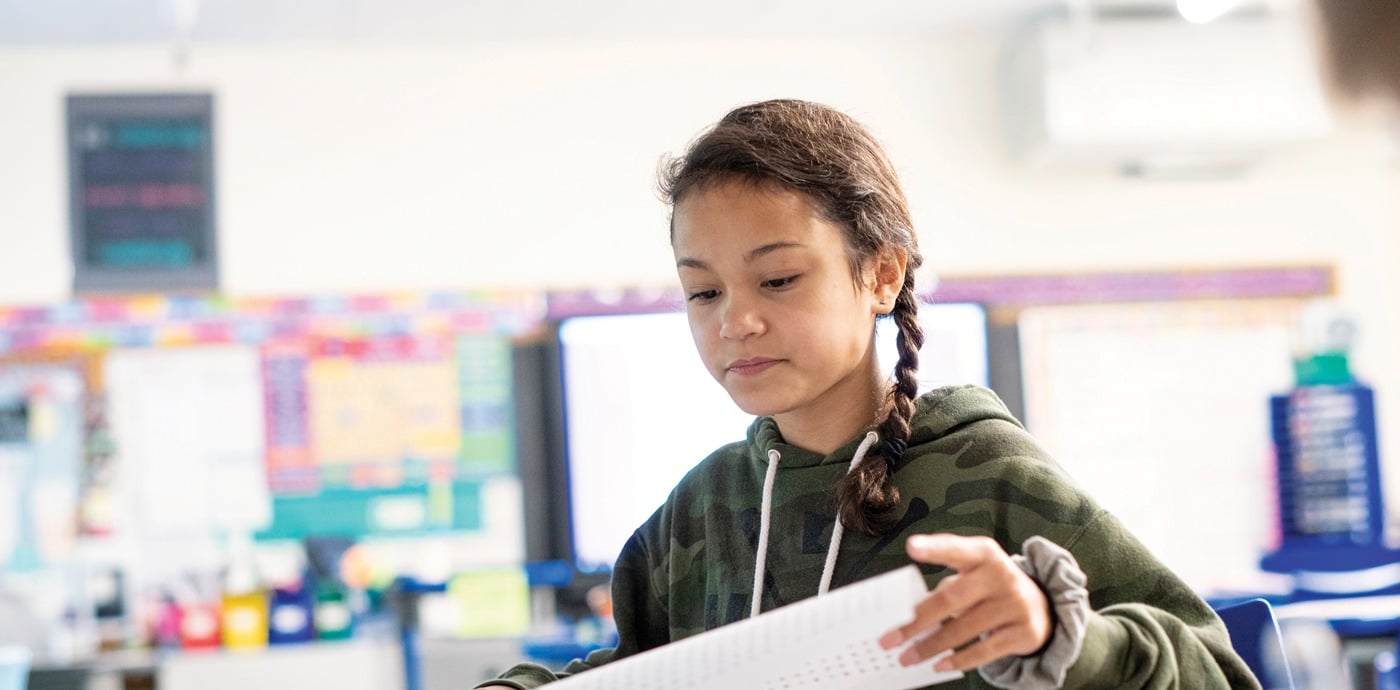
point(989, 609)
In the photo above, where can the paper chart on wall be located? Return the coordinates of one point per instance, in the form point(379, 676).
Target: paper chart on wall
point(188, 426)
point(1160, 411)
point(826, 643)
point(41, 421)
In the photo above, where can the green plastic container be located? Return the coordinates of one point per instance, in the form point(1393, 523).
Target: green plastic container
point(334, 620)
point(1322, 369)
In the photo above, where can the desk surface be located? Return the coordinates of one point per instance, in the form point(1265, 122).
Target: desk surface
point(114, 661)
point(1376, 608)
point(369, 664)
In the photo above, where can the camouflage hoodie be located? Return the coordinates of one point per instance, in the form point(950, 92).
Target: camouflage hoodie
point(970, 469)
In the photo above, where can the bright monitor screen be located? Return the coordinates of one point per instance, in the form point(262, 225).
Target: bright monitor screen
point(641, 410)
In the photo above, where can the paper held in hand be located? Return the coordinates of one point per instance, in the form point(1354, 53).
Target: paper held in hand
point(826, 642)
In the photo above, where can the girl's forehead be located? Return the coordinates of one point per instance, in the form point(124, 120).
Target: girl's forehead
point(732, 235)
point(744, 210)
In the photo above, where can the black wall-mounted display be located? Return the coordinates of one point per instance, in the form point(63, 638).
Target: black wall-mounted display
point(141, 192)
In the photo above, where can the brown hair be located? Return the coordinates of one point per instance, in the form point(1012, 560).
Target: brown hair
point(1362, 38)
point(841, 168)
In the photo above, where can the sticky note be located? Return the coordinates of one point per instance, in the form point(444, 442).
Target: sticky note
point(491, 603)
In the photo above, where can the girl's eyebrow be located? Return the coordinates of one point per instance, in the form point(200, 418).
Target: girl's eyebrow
point(686, 262)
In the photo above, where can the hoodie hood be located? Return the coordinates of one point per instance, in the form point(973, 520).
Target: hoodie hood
point(942, 411)
point(937, 413)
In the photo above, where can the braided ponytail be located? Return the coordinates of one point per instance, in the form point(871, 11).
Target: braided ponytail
point(864, 498)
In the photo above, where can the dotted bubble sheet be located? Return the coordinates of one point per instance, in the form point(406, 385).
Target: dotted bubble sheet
point(826, 643)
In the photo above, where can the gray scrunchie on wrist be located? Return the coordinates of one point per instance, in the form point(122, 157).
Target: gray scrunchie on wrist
point(1060, 577)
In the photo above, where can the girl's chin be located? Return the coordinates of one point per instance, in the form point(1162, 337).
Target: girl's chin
point(756, 406)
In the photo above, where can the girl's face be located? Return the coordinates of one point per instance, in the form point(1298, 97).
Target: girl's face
point(776, 315)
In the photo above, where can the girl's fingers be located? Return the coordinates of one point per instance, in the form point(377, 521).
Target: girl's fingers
point(958, 633)
point(995, 645)
point(957, 552)
point(985, 611)
point(953, 595)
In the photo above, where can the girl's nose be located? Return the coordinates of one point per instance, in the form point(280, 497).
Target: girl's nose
point(739, 320)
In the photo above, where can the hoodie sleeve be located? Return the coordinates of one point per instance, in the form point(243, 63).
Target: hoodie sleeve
point(640, 614)
point(1148, 629)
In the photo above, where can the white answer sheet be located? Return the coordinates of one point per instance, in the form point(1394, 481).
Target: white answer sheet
point(823, 643)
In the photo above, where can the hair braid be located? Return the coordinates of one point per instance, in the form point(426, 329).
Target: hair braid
point(864, 498)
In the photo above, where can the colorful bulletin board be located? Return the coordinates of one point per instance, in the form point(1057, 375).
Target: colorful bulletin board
point(380, 415)
point(388, 434)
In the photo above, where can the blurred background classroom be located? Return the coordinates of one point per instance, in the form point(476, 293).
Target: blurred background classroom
point(333, 333)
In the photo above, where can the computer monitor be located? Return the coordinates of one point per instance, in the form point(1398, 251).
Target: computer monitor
point(640, 410)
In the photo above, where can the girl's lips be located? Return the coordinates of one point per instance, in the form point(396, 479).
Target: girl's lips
point(751, 367)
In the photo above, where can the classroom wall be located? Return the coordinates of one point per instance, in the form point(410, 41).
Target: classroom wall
point(531, 164)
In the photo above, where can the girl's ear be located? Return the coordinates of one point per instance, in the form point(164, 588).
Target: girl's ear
point(889, 268)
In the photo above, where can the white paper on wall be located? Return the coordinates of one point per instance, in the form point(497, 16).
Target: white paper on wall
point(1161, 411)
point(188, 424)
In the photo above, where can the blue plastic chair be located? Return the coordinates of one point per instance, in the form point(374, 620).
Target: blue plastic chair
point(1255, 636)
point(14, 668)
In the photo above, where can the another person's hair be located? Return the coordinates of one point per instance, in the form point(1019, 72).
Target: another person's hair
point(842, 169)
point(1362, 44)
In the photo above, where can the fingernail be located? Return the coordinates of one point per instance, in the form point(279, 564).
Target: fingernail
point(943, 665)
point(891, 639)
point(918, 541)
point(908, 658)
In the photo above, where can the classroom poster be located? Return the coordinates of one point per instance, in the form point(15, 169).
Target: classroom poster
point(1161, 412)
point(41, 436)
point(383, 435)
point(95, 512)
point(188, 426)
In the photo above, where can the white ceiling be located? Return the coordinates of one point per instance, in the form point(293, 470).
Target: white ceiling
point(40, 22)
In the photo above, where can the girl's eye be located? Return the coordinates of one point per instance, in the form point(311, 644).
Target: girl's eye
point(779, 283)
point(702, 296)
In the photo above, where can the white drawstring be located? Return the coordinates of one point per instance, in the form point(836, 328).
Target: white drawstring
point(840, 529)
point(765, 512)
point(767, 507)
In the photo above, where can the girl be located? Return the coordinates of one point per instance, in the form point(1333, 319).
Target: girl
point(791, 236)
